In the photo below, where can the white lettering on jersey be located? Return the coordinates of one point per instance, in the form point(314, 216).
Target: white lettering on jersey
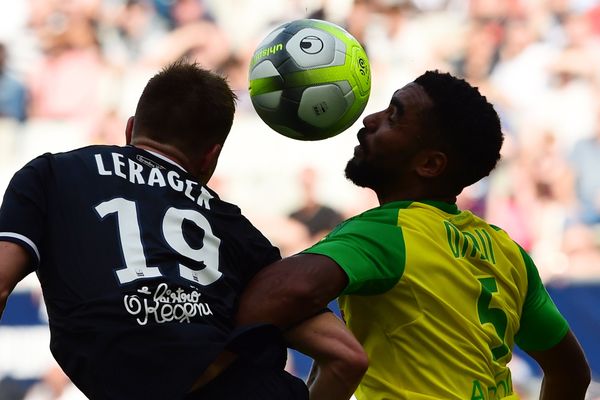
point(174, 181)
point(189, 185)
point(156, 177)
point(204, 197)
point(133, 172)
point(118, 164)
point(100, 165)
point(165, 305)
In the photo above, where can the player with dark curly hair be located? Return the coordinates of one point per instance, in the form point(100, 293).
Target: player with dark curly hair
point(437, 297)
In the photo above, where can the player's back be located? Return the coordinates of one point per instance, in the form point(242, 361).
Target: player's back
point(140, 266)
point(452, 316)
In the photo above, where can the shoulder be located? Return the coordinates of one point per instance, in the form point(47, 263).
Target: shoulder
point(225, 206)
point(48, 159)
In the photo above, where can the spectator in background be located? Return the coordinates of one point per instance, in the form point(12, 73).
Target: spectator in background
point(235, 68)
point(480, 52)
point(132, 32)
point(194, 35)
point(581, 246)
point(318, 218)
point(568, 106)
point(520, 77)
point(66, 84)
point(54, 385)
point(184, 12)
point(13, 94)
point(510, 195)
point(548, 185)
point(585, 162)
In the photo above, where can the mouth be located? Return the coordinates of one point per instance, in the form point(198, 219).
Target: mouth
point(361, 148)
point(360, 135)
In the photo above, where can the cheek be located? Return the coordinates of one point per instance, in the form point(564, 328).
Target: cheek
point(392, 155)
point(384, 146)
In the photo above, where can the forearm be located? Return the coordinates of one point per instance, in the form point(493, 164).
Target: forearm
point(567, 374)
point(559, 388)
point(340, 361)
point(13, 268)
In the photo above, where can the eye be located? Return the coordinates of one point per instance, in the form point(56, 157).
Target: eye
point(392, 113)
point(396, 110)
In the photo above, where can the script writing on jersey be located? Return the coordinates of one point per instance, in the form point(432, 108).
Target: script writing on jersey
point(165, 305)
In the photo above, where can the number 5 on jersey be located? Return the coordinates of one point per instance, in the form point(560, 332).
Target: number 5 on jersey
point(495, 316)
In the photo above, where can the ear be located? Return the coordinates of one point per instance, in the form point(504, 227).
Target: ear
point(431, 163)
point(209, 161)
point(129, 130)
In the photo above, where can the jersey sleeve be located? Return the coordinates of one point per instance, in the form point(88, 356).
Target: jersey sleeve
point(264, 254)
point(371, 254)
point(23, 210)
point(542, 325)
point(259, 251)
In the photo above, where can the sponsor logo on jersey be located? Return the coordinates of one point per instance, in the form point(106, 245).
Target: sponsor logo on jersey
point(165, 304)
point(148, 162)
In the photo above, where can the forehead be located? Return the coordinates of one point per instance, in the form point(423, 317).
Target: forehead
point(412, 96)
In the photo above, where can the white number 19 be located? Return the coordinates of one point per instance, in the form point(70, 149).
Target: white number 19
point(136, 266)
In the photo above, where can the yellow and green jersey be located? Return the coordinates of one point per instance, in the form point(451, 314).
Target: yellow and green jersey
point(438, 298)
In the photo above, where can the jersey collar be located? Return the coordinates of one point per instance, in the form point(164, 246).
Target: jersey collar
point(162, 157)
point(450, 208)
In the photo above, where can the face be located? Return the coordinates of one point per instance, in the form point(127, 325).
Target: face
point(389, 141)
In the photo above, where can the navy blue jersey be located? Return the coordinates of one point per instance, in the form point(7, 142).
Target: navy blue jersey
point(140, 265)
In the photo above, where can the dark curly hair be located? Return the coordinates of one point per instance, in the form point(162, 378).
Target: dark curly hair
point(186, 106)
point(465, 125)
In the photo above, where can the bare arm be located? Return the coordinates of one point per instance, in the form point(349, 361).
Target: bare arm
point(291, 290)
point(284, 294)
point(14, 262)
point(566, 371)
point(340, 361)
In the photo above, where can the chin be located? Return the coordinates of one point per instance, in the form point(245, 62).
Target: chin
point(357, 174)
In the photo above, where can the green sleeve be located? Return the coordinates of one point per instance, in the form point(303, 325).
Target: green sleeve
point(542, 325)
point(372, 254)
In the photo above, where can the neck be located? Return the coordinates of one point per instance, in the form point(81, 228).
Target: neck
point(169, 151)
point(418, 194)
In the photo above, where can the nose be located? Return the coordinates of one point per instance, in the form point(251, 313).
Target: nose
point(370, 121)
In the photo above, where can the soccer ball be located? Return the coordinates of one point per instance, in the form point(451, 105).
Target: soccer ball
point(309, 79)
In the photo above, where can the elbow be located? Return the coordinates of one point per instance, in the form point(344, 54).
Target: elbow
point(585, 376)
point(356, 357)
point(3, 298)
point(580, 375)
point(353, 365)
point(360, 364)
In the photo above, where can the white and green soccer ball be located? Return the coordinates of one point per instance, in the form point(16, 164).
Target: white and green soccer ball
point(309, 79)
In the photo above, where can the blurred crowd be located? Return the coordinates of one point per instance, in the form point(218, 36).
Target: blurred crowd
point(71, 72)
